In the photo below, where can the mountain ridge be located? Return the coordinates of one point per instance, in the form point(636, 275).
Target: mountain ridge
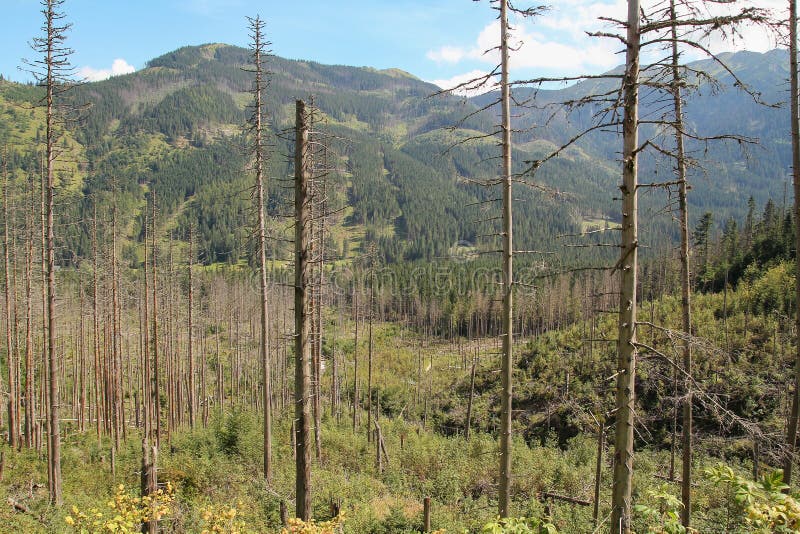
point(186, 110)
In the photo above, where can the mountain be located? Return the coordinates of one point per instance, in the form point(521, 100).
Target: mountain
point(725, 172)
point(404, 181)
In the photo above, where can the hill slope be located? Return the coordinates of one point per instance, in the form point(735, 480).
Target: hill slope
point(175, 128)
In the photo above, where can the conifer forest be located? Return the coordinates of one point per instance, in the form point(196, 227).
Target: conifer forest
point(245, 294)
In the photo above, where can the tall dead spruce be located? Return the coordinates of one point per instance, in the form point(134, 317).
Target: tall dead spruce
point(507, 366)
point(795, 129)
point(505, 182)
point(505, 233)
point(53, 72)
point(12, 364)
point(302, 318)
point(628, 266)
point(686, 24)
point(259, 154)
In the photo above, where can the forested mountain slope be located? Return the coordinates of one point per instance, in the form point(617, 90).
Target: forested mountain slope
point(176, 128)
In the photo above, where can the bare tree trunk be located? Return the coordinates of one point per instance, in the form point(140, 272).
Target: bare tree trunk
point(686, 314)
point(369, 358)
point(355, 360)
point(116, 349)
point(44, 404)
point(30, 373)
point(259, 152)
point(507, 370)
point(149, 481)
point(54, 436)
point(335, 388)
point(302, 324)
point(156, 366)
point(190, 343)
point(82, 359)
point(99, 412)
point(795, 119)
point(628, 265)
point(598, 469)
point(318, 320)
point(467, 429)
point(13, 390)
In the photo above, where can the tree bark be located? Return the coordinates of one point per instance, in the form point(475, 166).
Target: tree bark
point(355, 360)
point(795, 127)
point(508, 276)
point(686, 313)
point(13, 389)
point(156, 364)
point(259, 151)
point(628, 265)
point(467, 428)
point(192, 393)
point(302, 320)
point(54, 435)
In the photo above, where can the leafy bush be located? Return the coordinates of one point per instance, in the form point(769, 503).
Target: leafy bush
point(764, 505)
point(221, 519)
point(666, 518)
point(125, 513)
point(519, 525)
point(231, 431)
point(298, 526)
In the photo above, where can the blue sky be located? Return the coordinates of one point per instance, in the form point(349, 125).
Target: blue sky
point(436, 40)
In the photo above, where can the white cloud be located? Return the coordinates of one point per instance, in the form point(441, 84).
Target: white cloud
point(556, 43)
point(118, 67)
point(472, 89)
point(446, 54)
point(533, 50)
point(748, 36)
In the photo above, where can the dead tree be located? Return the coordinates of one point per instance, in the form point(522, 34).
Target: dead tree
point(686, 29)
point(191, 371)
point(149, 474)
point(30, 374)
point(686, 312)
point(53, 73)
point(13, 385)
point(96, 326)
point(116, 348)
point(507, 371)
point(259, 154)
point(371, 344)
point(505, 182)
point(355, 358)
point(624, 102)
point(316, 254)
point(791, 437)
point(302, 283)
point(628, 266)
point(155, 340)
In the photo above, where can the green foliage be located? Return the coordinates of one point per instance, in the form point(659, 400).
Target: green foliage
point(663, 517)
point(231, 430)
point(744, 252)
point(765, 505)
point(175, 128)
point(519, 525)
point(124, 514)
point(396, 522)
point(188, 111)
